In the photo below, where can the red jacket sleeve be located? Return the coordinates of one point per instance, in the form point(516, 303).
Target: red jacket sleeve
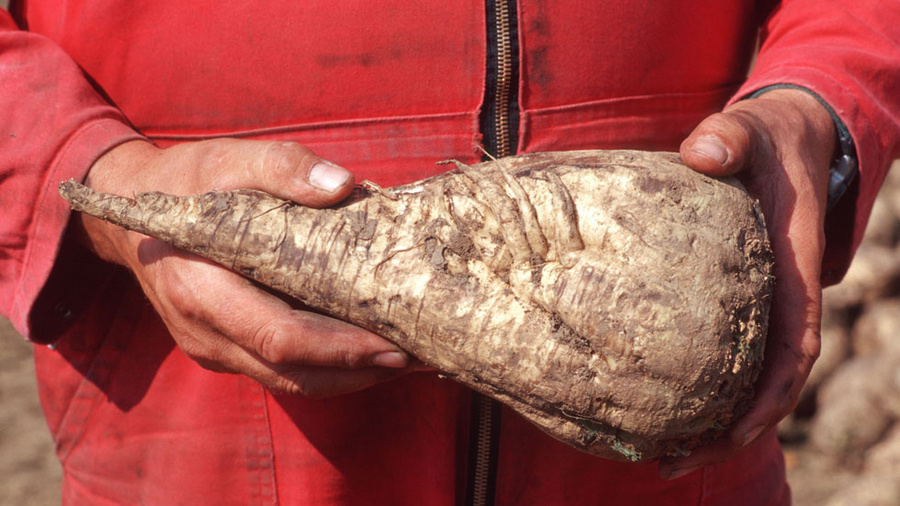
point(53, 125)
point(847, 52)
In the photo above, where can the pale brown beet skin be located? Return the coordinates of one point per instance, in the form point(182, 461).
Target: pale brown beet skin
point(617, 299)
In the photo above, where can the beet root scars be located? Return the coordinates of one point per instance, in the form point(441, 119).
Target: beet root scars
point(618, 300)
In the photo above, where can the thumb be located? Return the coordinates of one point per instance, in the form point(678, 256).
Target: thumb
point(722, 145)
point(291, 171)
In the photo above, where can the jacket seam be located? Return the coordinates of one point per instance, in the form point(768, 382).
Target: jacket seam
point(160, 133)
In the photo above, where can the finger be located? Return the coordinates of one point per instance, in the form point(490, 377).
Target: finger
point(279, 334)
point(788, 362)
point(671, 468)
point(265, 325)
point(793, 343)
point(227, 357)
point(291, 171)
point(217, 350)
point(325, 382)
point(723, 144)
point(285, 169)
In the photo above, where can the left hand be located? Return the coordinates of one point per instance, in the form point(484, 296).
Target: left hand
point(780, 146)
point(219, 319)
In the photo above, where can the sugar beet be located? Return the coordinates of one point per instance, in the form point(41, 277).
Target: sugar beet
point(617, 299)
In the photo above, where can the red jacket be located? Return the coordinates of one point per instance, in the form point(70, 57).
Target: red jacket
point(384, 88)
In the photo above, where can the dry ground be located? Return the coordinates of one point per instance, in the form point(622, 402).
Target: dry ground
point(29, 471)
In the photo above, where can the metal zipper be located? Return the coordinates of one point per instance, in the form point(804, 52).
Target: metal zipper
point(484, 440)
point(499, 127)
point(500, 110)
point(505, 80)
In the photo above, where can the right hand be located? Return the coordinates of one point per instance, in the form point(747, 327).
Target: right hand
point(221, 320)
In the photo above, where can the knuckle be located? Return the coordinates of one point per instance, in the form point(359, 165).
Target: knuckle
point(788, 393)
point(804, 353)
point(284, 159)
point(303, 387)
point(300, 383)
point(350, 359)
point(200, 352)
point(270, 344)
point(810, 351)
point(181, 297)
point(177, 288)
point(328, 347)
point(750, 132)
point(739, 127)
point(277, 385)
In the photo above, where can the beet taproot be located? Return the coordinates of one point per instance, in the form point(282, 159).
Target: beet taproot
point(616, 299)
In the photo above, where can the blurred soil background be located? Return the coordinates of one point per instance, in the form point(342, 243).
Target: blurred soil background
point(29, 471)
point(842, 444)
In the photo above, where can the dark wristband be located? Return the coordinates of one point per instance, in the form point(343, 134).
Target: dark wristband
point(845, 164)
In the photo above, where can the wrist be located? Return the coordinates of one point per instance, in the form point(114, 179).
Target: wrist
point(117, 169)
point(845, 163)
point(115, 172)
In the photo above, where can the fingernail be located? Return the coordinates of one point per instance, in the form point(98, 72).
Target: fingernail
point(711, 147)
point(327, 176)
point(752, 435)
point(678, 473)
point(392, 359)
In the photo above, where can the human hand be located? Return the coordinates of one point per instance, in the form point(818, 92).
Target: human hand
point(780, 146)
point(218, 318)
